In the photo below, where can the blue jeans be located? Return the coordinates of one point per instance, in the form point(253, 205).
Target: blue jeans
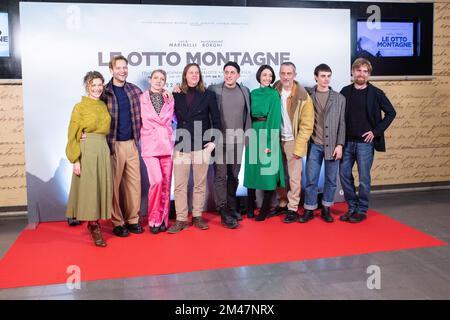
point(362, 153)
point(313, 166)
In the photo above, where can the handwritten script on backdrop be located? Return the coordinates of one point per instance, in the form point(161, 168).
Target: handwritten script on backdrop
point(418, 140)
point(12, 148)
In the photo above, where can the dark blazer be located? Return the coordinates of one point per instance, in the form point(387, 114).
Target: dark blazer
point(204, 113)
point(376, 102)
point(218, 89)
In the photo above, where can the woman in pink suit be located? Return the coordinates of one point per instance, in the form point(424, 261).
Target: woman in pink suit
point(157, 148)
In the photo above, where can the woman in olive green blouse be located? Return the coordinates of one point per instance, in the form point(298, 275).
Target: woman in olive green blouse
point(90, 197)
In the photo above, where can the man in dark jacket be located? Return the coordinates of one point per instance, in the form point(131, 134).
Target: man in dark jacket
point(198, 122)
point(233, 101)
point(365, 128)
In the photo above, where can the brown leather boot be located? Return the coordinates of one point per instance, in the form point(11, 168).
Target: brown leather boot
point(96, 233)
point(199, 223)
point(177, 227)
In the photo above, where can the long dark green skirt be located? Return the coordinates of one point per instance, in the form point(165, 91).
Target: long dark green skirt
point(263, 171)
point(90, 195)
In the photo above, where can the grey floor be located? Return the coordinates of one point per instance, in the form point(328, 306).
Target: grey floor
point(407, 274)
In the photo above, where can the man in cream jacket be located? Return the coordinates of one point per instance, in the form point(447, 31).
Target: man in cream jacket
point(296, 129)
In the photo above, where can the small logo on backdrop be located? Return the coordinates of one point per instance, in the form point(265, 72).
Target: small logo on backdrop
point(74, 280)
point(73, 21)
point(374, 280)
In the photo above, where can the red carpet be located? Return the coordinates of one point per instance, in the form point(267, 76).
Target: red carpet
point(41, 256)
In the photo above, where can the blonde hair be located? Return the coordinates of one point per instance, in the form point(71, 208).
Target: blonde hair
point(90, 76)
point(114, 59)
point(362, 62)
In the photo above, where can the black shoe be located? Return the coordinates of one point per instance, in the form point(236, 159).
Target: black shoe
point(121, 231)
point(346, 216)
point(357, 217)
point(250, 205)
point(277, 211)
point(261, 216)
point(325, 215)
point(134, 228)
point(73, 222)
point(162, 227)
point(229, 222)
point(227, 219)
point(291, 216)
point(236, 215)
point(154, 230)
point(250, 213)
point(307, 215)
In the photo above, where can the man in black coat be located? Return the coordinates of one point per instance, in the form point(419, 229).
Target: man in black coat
point(365, 128)
point(198, 125)
point(233, 101)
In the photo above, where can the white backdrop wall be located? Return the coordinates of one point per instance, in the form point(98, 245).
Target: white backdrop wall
point(61, 42)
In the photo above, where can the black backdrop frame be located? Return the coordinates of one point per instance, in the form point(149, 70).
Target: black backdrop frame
point(422, 65)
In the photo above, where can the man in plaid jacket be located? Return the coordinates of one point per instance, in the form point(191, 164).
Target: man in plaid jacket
point(124, 107)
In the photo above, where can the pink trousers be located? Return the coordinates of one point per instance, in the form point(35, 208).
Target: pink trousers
point(159, 170)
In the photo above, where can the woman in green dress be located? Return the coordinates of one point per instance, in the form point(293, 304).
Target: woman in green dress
point(90, 197)
point(263, 159)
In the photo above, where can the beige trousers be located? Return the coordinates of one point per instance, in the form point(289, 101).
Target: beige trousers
point(182, 162)
point(290, 196)
point(126, 183)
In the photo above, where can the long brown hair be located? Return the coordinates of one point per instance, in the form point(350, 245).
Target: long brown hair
point(200, 85)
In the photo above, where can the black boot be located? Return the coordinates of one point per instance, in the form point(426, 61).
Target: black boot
point(235, 214)
point(307, 215)
point(357, 217)
point(265, 208)
point(346, 216)
point(73, 222)
point(325, 215)
point(227, 220)
point(162, 227)
point(251, 195)
point(278, 211)
point(250, 213)
point(291, 216)
point(154, 230)
point(261, 216)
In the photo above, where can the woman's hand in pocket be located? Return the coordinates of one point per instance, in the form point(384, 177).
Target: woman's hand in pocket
point(77, 168)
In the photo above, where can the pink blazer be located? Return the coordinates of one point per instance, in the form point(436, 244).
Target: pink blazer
point(156, 131)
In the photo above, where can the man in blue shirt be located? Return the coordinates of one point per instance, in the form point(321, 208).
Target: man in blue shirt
point(123, 139)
